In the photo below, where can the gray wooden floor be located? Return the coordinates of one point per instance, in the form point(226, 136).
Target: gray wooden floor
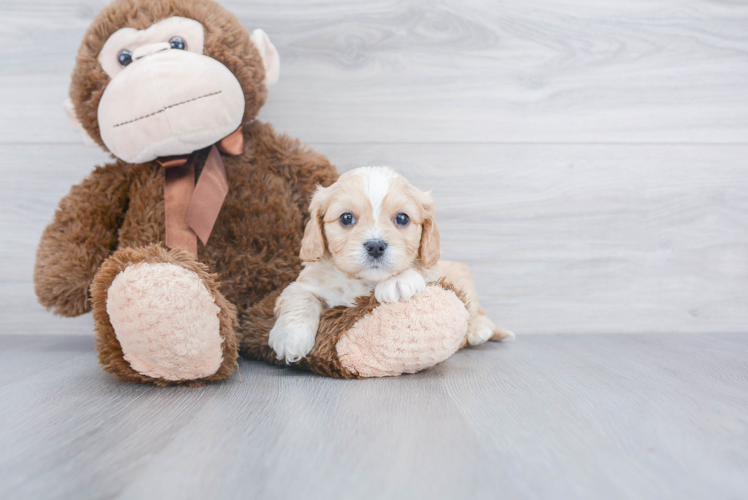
point(550, 416)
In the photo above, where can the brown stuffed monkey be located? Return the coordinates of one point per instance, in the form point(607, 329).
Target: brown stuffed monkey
point(182, 244)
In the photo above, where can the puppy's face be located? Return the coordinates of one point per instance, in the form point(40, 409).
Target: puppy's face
point(372, 224)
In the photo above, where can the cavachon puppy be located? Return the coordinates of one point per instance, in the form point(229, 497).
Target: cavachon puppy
point(370, 230)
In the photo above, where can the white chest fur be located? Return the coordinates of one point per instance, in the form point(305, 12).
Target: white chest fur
point(331, 285)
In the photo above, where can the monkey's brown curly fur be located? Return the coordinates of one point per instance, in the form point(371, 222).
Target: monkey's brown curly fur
point(110, 351)
point(115, 218)
point(253, 249)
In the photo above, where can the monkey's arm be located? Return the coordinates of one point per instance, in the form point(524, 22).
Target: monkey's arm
point(82, 235)
point(303, 167)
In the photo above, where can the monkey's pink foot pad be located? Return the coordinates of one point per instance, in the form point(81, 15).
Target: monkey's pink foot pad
point(405, 337)
point(166, 321)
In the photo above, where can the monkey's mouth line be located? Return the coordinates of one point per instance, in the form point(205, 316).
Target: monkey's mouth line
point(167, 107)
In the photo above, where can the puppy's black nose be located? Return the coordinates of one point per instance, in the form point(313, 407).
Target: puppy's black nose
point(375, 248)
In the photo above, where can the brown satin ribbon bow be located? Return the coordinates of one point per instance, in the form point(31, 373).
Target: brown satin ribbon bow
point(192, 209)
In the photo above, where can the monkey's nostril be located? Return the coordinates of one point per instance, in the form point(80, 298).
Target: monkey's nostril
point(375, 248)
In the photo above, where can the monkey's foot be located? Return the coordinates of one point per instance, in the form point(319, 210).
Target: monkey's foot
point(166, 322)
point(169, 322)
point(404, 337)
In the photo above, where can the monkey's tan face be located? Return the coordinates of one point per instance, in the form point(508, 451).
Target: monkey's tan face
point(165, 97)
point(373, 221)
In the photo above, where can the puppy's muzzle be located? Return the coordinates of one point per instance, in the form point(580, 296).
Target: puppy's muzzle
point(375, 248)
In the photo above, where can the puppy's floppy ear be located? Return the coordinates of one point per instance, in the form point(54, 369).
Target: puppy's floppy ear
point(430, 250)
point(313, 243)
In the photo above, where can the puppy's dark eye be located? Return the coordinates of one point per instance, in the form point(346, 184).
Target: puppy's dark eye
point(177, 43)
point(347, 219)
point(124, 57)
point(402, 219)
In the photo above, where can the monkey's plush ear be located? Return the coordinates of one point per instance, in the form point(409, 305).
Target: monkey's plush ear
point(76, 124)
point(269, 54)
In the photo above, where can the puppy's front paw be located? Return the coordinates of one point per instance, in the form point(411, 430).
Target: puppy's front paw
point(291, 340)
point(400, 287)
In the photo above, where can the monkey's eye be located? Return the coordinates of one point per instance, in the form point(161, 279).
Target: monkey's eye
point(124, 57)
point(177, 43)
point(402, 219)
point(347, 219)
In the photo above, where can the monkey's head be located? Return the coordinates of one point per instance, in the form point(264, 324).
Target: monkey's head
point(167, 78)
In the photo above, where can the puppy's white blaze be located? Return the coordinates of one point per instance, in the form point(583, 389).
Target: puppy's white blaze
point(374, 233)
point(376, 184)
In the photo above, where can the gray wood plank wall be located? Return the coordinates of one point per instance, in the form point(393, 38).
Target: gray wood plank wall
point(589, 159)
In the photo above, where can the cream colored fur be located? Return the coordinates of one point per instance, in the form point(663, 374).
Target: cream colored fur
point(166, 322)
point(337, 269)
point(480, 328)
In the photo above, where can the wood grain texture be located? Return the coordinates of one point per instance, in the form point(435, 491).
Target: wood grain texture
point(584, 416)
point(589, 163)
point(560, 238)
point(589, 160)
point(457, 70)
